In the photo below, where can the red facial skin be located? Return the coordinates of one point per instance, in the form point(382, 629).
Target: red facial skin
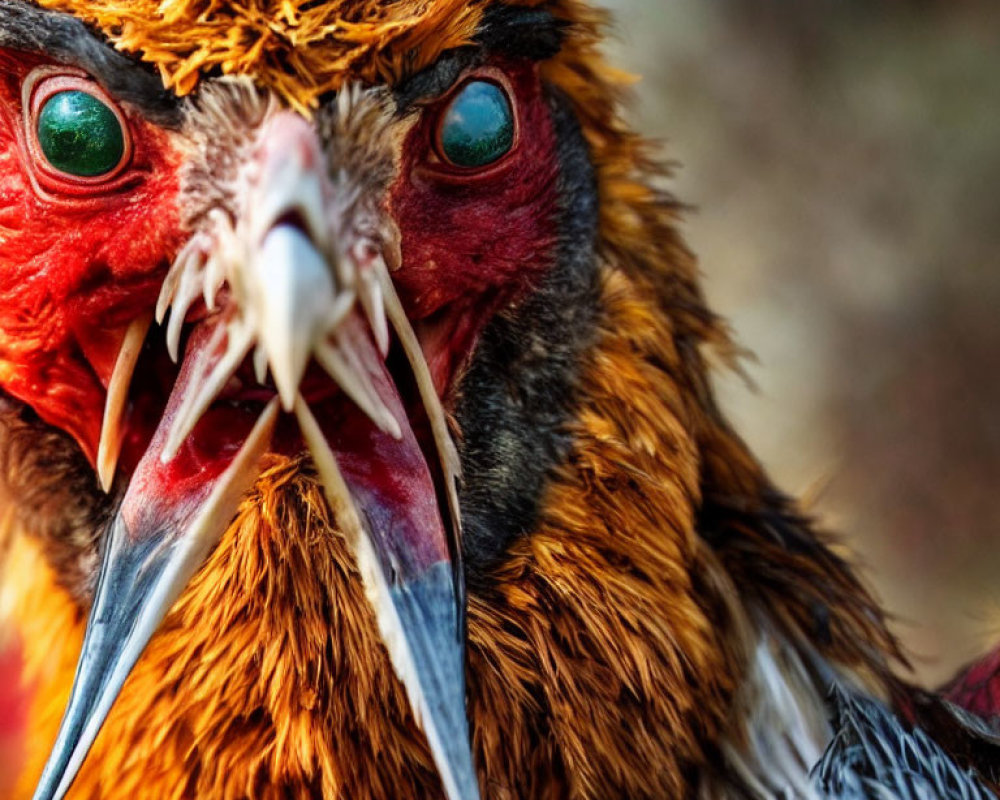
point(475, 240)
point(75, 269)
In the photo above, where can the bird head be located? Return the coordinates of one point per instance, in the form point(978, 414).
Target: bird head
point(411, 247)
point(259, 266)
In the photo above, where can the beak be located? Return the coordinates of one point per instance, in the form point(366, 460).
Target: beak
point(296, 304)
point(157, 540)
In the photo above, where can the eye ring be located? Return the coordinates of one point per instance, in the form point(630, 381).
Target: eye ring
point(445, 166)
point(41, 86)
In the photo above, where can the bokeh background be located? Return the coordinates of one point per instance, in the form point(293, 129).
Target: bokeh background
point(843, 159)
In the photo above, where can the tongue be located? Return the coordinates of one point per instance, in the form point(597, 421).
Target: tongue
point(387, 472)
point(165, 493)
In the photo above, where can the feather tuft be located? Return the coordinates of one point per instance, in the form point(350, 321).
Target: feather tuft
point(300, 49)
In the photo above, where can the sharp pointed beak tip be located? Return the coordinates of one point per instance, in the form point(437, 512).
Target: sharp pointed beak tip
point(116, 634)
point(295, 293)
point(426, 608)
point(150, 554)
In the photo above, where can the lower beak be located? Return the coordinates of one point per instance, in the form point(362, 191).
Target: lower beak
point(190, 481)
point(159, 537)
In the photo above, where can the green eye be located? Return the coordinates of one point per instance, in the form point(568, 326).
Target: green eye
point(478, 127)
point(80, 135)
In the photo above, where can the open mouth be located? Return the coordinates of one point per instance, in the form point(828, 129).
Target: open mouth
point(273, 335)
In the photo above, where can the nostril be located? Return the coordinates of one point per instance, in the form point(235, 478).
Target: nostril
point(286, 138)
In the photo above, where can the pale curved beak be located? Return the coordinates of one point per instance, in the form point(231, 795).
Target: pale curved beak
point(292, 300)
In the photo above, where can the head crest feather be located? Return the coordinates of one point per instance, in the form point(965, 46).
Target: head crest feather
point(299, 48)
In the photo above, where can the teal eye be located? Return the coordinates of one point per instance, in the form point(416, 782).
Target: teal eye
point(478, 127)
point(80, 135)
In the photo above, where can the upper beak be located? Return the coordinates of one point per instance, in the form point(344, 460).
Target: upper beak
point(293, 297)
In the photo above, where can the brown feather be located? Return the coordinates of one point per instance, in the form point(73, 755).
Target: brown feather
point(50, 488)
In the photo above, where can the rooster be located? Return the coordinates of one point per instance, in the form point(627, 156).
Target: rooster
point(357, 437)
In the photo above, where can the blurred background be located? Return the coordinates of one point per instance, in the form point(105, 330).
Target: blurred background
point(843, 159)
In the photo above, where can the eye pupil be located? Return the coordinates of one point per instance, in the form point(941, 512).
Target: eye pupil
point(78, 134)
point(478, 127)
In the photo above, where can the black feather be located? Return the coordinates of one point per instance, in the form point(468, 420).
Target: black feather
point(873, 756)
point(520, 388)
